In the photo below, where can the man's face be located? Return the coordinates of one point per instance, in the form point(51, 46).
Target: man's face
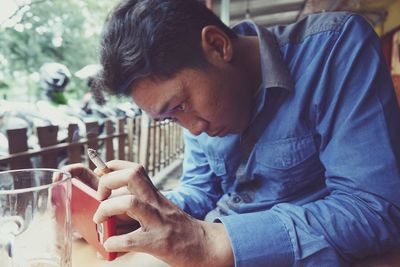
point(215, 101)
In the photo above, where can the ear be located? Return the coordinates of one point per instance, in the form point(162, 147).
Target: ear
point(216, 44)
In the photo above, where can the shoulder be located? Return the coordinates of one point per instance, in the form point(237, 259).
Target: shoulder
point(313, 24)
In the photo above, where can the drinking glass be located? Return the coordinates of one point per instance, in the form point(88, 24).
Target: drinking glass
point(35, 218)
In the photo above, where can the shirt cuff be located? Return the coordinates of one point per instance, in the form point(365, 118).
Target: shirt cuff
point(259, 239)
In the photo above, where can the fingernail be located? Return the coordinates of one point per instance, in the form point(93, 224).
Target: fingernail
point(95, 219)
point(99, 256)
point(105, 245)
point(99, 195)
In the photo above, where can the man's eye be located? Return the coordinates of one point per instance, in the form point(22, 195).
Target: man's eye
point(181, 107)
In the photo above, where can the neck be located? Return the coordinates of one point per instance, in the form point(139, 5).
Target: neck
point(248, 60)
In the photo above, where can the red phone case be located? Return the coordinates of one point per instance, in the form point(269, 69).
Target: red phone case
point(84, 204)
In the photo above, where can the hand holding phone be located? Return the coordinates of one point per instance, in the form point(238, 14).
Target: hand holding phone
point(84, 204)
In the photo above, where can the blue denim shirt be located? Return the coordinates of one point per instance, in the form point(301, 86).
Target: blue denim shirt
point(322, 184)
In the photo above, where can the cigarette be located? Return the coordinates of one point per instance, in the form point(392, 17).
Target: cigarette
point(95, 158)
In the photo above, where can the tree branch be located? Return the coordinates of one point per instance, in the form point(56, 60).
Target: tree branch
point(20, 7)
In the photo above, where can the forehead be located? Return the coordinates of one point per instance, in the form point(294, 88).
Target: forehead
point(153, 94)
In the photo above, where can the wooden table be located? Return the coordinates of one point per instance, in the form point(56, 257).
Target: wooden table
point(83, 255)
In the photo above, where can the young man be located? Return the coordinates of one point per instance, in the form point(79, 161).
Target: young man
point(292, 144)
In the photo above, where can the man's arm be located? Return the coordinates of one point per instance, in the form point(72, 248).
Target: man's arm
point(199, 187)
point(359, 129)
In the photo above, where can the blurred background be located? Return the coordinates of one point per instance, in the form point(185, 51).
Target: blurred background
point(35, 32)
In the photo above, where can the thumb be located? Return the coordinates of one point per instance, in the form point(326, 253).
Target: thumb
point(132, 241)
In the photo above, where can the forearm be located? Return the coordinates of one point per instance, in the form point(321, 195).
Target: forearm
point(336, 230)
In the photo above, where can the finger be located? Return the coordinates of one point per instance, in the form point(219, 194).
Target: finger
point(135, 178)
point(99, 256)
point(126, 204)
point(124, 243)
point(112, 181)
point(76, 235)
point(100, 172)
point(80, 171)
point(120, 191)
point(115, 165)
point(58, 176)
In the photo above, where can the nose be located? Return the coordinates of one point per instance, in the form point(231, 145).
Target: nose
point(195, 125)
point(198, 127)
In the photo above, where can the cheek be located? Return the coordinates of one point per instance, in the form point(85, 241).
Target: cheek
point(220, 110)
point(213, 107)
point(217, 104)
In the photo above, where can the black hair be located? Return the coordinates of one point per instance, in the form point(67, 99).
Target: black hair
point(153, 38)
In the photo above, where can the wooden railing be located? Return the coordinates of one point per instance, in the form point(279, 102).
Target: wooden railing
point(153, 144)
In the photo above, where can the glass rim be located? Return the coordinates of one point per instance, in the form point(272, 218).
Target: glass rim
point(66, 176)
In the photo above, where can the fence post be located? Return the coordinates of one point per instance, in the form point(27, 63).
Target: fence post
point(138, 135)
point(181, 143)
point(158, 146)
point(144, 141)
point(168, 142)
point(108, 142)
point(150, 167)
point(123, 137)
point(74, 149)
point(154, 147)
point(162, 144)
point(18, 142)
point(47, 136)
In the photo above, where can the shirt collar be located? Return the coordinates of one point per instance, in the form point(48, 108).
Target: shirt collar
point(275, 73)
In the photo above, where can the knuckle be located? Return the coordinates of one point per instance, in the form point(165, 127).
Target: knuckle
point(138, 168)
point(134, 201)
point(129, 243)
point(169, 238)
point(97, 171)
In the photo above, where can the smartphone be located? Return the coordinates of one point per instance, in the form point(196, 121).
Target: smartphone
point(84, 204)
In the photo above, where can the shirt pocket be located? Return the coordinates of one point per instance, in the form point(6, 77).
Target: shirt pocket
point(287, 165)
point(287, 153)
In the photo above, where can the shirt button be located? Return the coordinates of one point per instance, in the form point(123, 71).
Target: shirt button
point(236, 199)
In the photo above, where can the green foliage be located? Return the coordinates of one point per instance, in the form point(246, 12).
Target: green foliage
point(63, 31)
point(3, 85)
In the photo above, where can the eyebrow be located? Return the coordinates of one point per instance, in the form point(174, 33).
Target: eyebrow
point(166, 106)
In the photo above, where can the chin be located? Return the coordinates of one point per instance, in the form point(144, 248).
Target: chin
point(243, 127)
point(233, 131)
